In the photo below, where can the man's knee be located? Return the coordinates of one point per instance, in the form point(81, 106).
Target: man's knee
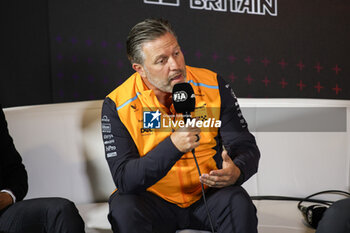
point(241, 205)
point(234, 210)
point(49, 205)
point(129, 210)
point(62, 212)
point(124, 208)
point(336, 218)
point(339, 211)
point(237, 197)
point(341, 206)
point(58, 205)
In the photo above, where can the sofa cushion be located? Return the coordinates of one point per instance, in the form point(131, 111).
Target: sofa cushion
point(273, 216)
point(63, 151)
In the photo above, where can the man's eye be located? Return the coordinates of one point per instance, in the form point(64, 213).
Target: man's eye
point(161, 61)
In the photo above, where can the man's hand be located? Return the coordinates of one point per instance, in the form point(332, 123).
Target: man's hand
point(5, 200)
point(186, 138)
point(226, 176)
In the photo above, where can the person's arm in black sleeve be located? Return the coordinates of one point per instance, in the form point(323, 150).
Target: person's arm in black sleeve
point(13, 176)
point(132, 173)
point(236, 138)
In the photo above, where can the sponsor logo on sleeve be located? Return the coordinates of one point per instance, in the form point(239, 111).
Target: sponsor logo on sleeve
point(105, 119)
point(106, 128)
point(107, 136)
point(109, 141)
point(238, 109)
point(110, 148)
point(112, 154)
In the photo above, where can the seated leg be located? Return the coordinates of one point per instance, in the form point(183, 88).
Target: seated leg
point(231, 209)
point(336, 219)
point(145, 212)
point(51, 215)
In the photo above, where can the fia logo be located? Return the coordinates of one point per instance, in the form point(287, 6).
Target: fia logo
point(151, 120)
point(180, 96)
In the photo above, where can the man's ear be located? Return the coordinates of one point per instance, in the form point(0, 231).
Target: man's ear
point(139, 69)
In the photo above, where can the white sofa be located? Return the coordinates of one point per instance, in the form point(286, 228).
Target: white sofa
point(304, 145)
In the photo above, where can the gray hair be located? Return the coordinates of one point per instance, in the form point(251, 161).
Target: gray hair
point(145, 31)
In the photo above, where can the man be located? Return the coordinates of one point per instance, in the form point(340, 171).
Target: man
point(49, 215)
point(158, 186)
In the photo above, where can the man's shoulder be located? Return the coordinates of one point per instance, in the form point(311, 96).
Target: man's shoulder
point(201, 71)
point(124, 91)
point(202, 76)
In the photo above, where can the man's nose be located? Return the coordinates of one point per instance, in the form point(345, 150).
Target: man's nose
point(174, 63)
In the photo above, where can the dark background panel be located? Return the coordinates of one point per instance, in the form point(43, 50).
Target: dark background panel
point(80, 48)
point(25, 76)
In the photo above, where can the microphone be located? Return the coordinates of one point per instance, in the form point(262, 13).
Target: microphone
point(184, 99)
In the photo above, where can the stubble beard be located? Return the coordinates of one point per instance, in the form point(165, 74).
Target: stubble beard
point(162, 85)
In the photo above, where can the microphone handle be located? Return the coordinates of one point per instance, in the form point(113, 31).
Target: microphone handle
point(186, 116)
point(203, 193)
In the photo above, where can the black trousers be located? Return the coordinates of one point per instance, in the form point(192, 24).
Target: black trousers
point(231, 209)
point(336, 219)
point(42, 215)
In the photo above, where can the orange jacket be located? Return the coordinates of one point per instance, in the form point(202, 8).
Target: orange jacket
point(166, 171)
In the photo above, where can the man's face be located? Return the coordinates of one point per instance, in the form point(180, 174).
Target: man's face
point(164, 63)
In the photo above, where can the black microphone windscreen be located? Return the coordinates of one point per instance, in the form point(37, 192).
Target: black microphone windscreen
point(184, 99)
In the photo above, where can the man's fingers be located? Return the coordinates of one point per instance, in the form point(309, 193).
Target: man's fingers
point(220, 172)
point(186, 139)
point(212, 178)
point(213, 183)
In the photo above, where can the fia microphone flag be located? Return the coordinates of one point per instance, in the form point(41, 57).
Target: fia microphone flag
point(184, 99)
